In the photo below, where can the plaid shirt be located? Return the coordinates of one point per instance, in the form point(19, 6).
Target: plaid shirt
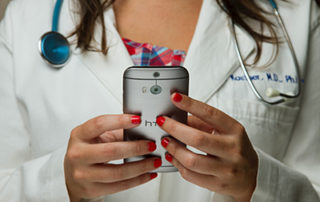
point(144, 54)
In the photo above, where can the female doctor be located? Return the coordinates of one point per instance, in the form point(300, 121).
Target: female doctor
point(59, 125)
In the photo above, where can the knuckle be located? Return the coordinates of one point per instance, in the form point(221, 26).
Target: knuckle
point(73, 154)
point(140, 148)
point(174, 127)
point(211, 111)
point(142, 179)
point(147, 165)
point(109, 149)
point(235, 147)
point(240, 129)
point(125, 185)
point(236, 150)
point(232, 172)
point(173, 150)
point(108, 137)
point(187, 103)
point(237, 158)
point(223, 186)
point(74, 132)
point(118, 173)
point(191, 161)
point(184, 173)
point(78, 175)
point(98, 123)
point(199, 139)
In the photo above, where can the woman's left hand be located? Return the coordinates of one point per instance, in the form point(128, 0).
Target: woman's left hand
point(230, 165)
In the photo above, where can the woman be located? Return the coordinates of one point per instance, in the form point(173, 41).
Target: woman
point(58, 126)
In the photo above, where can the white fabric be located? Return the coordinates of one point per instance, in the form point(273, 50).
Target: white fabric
point(39, 106)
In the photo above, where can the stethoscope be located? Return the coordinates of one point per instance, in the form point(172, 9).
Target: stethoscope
point(55, 50)
point(270, 92)
point(53, 46)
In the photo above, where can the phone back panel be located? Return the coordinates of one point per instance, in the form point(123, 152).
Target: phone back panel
point(147, 92)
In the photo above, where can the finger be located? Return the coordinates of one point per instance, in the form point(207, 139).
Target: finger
point(206, 181)
point(207, 165)
point(111, 136)
point(104, 152)
point(205, 112)
point(113, 173)
point(216, 145)
point(96, 126)
point(197, 123)
point(101, 189)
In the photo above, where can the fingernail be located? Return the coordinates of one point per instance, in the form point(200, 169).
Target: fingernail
point(157, 163)
point(177, 97)
point(153, 175)
point(168, 157)
point(165, 142)
point(136, 119)
point(160, 120)
point(152, 146)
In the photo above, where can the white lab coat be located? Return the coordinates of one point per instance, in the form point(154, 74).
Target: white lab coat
point(39, 106)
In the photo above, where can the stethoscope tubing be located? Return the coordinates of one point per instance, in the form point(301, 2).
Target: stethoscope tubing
point(292, 52)
point(244, 70)
point(56, 15)
point(284, 96)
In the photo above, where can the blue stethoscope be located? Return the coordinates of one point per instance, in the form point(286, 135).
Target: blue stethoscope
point(54, 47)
point(55, 50)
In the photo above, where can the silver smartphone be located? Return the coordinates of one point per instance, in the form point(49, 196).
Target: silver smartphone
point(146, 92)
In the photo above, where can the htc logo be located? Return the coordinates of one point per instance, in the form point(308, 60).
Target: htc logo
point(150, 123)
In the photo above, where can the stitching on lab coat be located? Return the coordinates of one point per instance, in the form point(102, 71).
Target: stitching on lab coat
point(6, 45)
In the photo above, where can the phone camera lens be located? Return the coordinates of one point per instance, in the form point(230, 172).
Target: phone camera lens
point(156, 74)
point(155, 89)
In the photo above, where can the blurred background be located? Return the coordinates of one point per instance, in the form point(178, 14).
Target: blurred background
point(3, 5)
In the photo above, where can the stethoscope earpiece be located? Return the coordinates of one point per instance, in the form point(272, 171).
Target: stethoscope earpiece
point(55, 49)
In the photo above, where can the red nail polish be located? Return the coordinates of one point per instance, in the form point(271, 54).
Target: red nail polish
point(136, 119)
point(169, 157)
point(165, 142)
point(153, 175)
point(177, 97)
point(160, 120)
point(157, 163)
point(152, 146)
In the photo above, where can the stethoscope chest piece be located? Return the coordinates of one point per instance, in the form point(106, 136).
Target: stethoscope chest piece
point(54, 49)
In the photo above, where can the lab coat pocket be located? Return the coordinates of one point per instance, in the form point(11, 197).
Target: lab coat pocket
point(268, 127)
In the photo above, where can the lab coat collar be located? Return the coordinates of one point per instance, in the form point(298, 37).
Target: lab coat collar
point(209, 62)
point(108, 69)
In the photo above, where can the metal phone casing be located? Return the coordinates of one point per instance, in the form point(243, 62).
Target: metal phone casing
point(138, 99)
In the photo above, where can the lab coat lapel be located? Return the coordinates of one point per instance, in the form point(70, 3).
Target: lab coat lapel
point(211, 56)
point(109, 69)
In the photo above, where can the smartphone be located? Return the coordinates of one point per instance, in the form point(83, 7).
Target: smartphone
point(146, 92)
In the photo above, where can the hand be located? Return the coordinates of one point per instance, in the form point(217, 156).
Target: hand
point(97, 142)
point(230, 164)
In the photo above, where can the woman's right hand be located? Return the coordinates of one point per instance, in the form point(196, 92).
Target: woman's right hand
point(98, 141)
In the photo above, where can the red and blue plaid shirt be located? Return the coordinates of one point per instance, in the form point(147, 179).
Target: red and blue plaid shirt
point(144, 54)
